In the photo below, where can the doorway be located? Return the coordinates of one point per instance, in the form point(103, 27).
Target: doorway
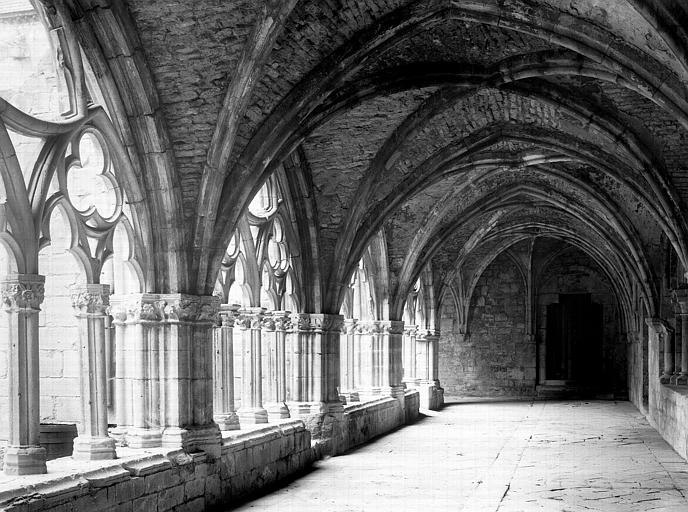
point(574, 340)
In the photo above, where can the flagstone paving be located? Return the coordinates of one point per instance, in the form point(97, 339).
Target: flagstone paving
point(500, 456)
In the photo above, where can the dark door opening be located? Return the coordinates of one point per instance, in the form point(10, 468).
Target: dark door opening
point(574, 340)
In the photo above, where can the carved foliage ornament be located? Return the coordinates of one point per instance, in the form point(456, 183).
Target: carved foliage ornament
point(23, 295)
point(91, 302)
point(170, 308)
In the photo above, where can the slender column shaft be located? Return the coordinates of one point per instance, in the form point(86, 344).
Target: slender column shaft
point(369, 371)
point(250, 322)
point(22, 295)
point(409, 362)
point(90, 304)
point(347, 361)
point(223, 400)
point(275, 327)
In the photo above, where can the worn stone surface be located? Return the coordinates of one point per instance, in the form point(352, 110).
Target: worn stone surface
point(501, 456)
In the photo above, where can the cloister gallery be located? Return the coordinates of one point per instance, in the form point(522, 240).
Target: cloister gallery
point(239, 236)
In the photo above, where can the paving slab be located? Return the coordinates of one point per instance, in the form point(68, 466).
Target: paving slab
point(503, 457)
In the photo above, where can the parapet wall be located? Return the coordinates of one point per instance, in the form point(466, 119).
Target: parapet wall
point(160, 480)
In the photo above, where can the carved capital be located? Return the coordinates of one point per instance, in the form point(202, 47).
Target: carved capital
point(168, 307)
point(282, 320)
point(327, 323)
point(229, 314)
point(349, 326)
point(392, 327)
point(190, 308)
point(91, 299)
point(251, 318)
point(300, 322)
point(410, 330)
point(368, 328)
point(23, 291)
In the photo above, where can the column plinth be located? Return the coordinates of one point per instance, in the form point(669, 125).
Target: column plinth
point(22, 295)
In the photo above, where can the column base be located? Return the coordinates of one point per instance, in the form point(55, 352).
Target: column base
point(350, 396)
point(252, 415)
point(227, 421)
point(366, 394)
point(138, 437)
point(682, 379)
point(24, 460)
point(665, 379)
point(205, 438)
point(119, 434)
point(277, 411)
point(431, 395)
point(94, 448)
point(411, 383)
point(674, 379)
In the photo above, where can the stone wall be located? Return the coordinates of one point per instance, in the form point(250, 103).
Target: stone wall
point(159, 480)
point(668, 405)
point(494, 357)
point(171, 481)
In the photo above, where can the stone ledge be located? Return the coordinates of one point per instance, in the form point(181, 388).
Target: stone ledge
point(160, 478)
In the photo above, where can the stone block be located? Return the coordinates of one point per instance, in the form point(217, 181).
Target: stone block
point(194, 489)
point(170, 497)
point(148, 503)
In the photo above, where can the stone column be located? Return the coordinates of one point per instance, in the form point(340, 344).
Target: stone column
point(409, 362)
point(185, 396)
point(91, 304)
point(682, 299)
point(431, 393)
point(667, 336)
point(164, 371)
point(136, 318)
point(251, 322)
point(315, 341)
point(347, 361)
point(390, 363)
point(368, 384)
point(22, 295)
point(223, 403)
point(275, 327)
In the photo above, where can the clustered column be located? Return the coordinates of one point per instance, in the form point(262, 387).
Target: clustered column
point(22, 295)
point(91, 304)
point(164, 384)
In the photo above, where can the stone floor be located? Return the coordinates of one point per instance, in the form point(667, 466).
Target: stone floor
point(505, 456)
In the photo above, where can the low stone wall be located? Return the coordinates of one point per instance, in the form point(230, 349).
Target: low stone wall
point(412, 406)
point(172, 481)
point(668, 408)
point(370, 419)
point(160, 480)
